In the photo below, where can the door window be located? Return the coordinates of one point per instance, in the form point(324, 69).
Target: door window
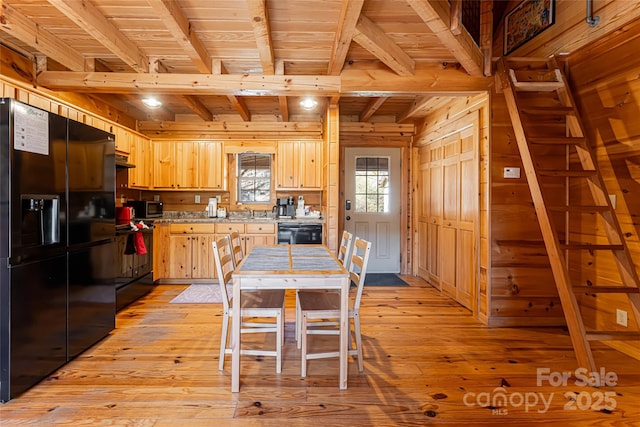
point(372, 184)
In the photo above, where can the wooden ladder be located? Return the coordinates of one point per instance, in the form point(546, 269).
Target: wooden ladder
point(546, 122)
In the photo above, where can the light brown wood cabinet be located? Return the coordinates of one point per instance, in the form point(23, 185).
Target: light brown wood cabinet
point(299, 165)
point(190, 251)
point(140, 155)
point(186, 251)
point(123, 140)
point(251, 233)
point(188, 165)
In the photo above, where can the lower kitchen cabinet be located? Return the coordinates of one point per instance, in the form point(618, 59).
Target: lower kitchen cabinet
point(251, 233)
point(186, 254)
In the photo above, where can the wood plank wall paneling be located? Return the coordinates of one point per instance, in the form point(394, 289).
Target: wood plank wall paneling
point(522, 287)
point(570, 32)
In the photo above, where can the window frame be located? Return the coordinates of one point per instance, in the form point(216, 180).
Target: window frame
point(240, 179)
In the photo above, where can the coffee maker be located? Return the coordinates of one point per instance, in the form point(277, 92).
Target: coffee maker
point(285, 207)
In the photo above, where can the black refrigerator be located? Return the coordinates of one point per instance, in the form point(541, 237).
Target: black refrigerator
point(57, 233)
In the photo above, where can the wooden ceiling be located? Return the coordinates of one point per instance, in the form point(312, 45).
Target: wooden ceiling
point(253, 60)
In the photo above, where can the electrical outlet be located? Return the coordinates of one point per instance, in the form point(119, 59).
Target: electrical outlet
point(219, 198)
point(621, 317)
point(197, 198)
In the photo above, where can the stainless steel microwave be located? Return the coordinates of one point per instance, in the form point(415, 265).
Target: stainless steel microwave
point(146, 208)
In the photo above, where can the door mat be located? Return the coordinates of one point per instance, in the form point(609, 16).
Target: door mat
point(200, 293)
point(384, 279)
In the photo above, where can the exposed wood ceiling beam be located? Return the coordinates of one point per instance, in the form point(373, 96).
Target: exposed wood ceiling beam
point(237, 103)
point(436, 15)
point(190, 84)
point(372, 38)
point(456, 17)
point(241, 107)
point(349, 15)
point(418, 105)
point(178, 25)
point(191, 101)
point(282, 100)
point(231, 127)
point(372, 107)
point(260, 23)
point(428, 79)
point(89, 18)
point(435, 79)
point(486, 35)
point(21, 27)
point(197, 107)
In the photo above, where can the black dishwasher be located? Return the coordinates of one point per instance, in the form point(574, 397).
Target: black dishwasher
point(299, 233)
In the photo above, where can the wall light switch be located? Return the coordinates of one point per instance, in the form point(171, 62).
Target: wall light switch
point(621, 317)
point(197, 198)
point(511, 172)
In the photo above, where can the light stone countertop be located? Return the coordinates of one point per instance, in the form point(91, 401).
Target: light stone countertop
point(197, 217)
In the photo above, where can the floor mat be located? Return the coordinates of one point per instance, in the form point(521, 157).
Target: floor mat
point(200, 294)
point(384, 279)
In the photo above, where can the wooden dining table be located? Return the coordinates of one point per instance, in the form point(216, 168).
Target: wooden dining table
point(289, 267)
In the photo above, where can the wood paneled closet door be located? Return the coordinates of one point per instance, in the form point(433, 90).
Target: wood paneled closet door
point(448, 211)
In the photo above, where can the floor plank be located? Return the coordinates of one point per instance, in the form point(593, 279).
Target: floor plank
point(427, 361)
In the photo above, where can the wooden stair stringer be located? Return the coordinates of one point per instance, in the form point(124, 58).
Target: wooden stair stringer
point(556, 251)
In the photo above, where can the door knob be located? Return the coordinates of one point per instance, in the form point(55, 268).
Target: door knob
point(347, 218)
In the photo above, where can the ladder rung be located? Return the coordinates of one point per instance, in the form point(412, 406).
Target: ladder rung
point(527, 243)
point(589, 209)
point(537, 86)
point(592, 247)
point(547, 110)
point(558, 140)
point(612, 335)
point(566, 173)
point(606, 289)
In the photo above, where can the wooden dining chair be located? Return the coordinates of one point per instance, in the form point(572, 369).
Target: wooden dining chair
point(236, 247)
point(322, 309)
point(343, 257)
point(256, 304)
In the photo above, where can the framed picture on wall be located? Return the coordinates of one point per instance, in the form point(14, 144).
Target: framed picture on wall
point(525, 21)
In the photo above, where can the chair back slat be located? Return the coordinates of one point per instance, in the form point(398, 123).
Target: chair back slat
point(236, 248)
point(223, 256)
point(358, 267)
point(345, 247)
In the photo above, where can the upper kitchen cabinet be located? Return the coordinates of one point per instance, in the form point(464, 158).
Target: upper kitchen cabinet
point(140, 155)
point(210, 165)
point(299, 165)
point(187, 165)
point(123, 140)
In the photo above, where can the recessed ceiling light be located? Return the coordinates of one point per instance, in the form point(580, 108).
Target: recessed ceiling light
point(308, 103)
point(151, 102)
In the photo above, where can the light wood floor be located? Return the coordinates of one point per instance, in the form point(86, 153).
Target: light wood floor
point(426, 362)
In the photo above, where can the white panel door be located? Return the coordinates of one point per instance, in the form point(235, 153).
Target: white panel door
point(372, 203)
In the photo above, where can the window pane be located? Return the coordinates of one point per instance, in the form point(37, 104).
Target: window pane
point(372, 184)
point(254, 177)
